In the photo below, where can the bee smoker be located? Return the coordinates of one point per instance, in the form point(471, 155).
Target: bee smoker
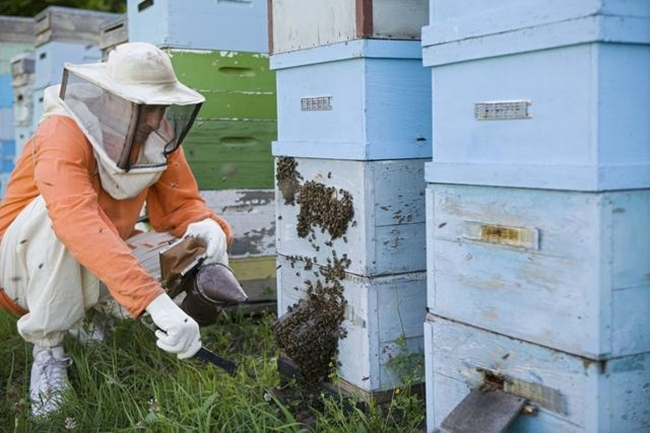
point(207, 287)
point(212, 287)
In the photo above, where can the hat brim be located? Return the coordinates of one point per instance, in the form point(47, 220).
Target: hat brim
point(174, 93)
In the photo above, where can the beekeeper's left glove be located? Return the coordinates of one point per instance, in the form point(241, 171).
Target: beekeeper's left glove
point(210, 232)
point(177, 332)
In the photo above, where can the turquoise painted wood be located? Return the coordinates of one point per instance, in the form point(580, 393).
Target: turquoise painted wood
point(6, 123)
point(377, 107)
point(380, 311)
point(8, 149)
point(578, 69)
point(237, 25)
point(387, 232)
point(570, 393)
point(566, 270)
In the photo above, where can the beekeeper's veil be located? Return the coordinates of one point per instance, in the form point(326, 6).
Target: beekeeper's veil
point(134, 112)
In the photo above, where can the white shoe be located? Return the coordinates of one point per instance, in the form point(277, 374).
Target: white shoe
point(49, 379)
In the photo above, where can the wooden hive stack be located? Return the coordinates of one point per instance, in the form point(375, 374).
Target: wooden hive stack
point(538, 203)
point(354, 133)
point(220, 49)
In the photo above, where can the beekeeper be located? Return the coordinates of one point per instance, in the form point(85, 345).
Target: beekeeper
point(108, 142)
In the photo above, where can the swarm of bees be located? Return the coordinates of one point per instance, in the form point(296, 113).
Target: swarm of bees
point(309, 332)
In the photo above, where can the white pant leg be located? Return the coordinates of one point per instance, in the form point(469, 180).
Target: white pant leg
point(38, 272)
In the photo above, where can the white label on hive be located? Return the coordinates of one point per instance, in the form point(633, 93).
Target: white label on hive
point(522, 237)
point(502, 110)
point(316, 103)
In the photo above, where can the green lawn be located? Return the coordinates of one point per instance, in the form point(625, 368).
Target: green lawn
point(127, 384)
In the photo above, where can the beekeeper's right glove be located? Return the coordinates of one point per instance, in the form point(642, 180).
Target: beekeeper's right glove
point(178, 333)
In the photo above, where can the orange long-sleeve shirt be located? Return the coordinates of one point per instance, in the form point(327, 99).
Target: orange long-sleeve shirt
point(58, 163)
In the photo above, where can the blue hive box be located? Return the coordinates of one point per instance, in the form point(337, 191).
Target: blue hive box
point(236, 25)
point(564, 393)
point(377, 107)
point(540, 94)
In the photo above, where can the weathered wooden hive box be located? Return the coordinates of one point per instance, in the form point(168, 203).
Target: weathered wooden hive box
point(229, 150)
point(551, 95)
point(568, 393)
point(234, 25)
point(16, 39)
point(65, 35)
point(230, 143)
point(112, 33)
point(354, 133)
point(384, 236)
point(537, 207)
point(382, 314)
point(560, 269)
point(299, 24)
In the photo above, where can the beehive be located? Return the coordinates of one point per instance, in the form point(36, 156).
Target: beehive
point(551, 95)
point(371, 211)
point(16, 39)
point(112, 33)
point(299, 25)
point(562, 269)
point(380, 311)
point(230, 143)
point(566, 393)
point(376, 108)
point(233, 25)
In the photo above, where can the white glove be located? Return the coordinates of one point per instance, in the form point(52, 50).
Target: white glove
point(210, 232)
point(178, 332)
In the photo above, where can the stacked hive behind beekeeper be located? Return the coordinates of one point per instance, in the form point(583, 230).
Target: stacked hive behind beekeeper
point(220, 49)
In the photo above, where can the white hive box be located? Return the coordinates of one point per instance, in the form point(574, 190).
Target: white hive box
point(386, 234)
point(234, 25)
point(566, 270)
point(22, 71)
point(51, 57)
point(377, 107)
point(571, 394)
point(113, 33)
point(300, 24)
point(380, 311)
point(540, 94)
point(71, 25)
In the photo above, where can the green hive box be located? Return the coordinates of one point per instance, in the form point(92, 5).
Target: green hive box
point(229, 146)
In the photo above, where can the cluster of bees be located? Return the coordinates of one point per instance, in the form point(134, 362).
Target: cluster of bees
point(325, 207)
point(287, 178)
point(309, 332)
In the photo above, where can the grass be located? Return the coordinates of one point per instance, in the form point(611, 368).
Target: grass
point(127, 384)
